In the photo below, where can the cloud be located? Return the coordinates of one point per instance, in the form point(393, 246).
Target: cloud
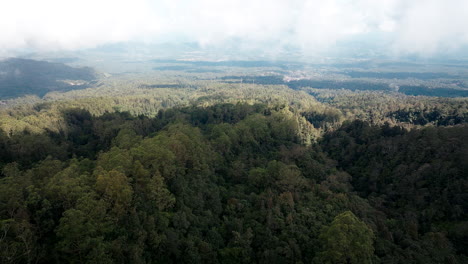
point(431, 26)
point(56, 24)
point(424, 27)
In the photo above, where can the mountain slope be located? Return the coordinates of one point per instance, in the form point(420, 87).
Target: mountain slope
point(21, 76)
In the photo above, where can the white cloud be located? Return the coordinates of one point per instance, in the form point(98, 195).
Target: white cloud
point(431, 26)
point(418, 26)
point(55, 24)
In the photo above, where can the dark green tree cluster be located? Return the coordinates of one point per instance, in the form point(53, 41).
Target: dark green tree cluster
point(417, 178)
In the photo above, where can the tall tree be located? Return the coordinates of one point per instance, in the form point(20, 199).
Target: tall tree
point(347, 240)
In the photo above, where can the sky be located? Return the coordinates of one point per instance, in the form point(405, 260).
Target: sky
point(400, 27)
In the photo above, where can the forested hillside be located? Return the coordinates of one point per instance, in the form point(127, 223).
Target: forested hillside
point(230, 183)
point(20, 77)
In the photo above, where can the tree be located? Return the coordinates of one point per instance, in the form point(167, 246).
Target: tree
point(114, 186)
point(83, 232)
point(346, 240)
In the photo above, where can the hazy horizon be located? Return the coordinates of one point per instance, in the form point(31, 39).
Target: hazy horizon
point(395, 28)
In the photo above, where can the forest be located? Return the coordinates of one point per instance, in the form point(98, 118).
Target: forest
point(234, 132)
point(194, 165)
point(232, 183)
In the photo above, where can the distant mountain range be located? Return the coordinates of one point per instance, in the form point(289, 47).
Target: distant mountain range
point(23, 76)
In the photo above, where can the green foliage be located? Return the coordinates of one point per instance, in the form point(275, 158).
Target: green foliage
point(115, 188)
point(82, 232)
point(346, 240)
point(231, 183)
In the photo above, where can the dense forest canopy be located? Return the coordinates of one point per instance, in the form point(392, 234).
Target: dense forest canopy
point(204, 167)
point(232, 183)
